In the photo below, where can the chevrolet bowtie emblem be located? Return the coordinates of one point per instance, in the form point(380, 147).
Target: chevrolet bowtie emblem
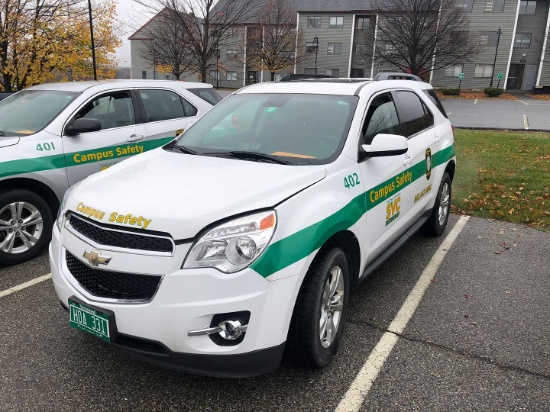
point(96, 259)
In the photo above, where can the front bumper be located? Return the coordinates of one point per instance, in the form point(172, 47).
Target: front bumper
point(188, 299)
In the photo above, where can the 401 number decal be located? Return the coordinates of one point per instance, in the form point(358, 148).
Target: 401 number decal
point(45, 146)
point(351, 181)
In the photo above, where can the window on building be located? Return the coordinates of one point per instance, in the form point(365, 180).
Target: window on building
point(311, 46)
point(336, 22)
point(483, 70)
point(527, 7)
point(309, 70)
point(334, 48)
point(361, 50)
point(232, 76)
point(522, 41)
point(389, 48)
point(489, 38)
point(495, 6)
point(232, 54)
point(454, 71)
point(144, 74)
point(167, 76)
point(333, 72)
point(314, 22)
point(362, 23)
point(214, 74)
point(164, 105)
point(466, 5)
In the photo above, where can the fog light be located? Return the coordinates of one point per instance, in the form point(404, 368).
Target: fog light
point(231, 329)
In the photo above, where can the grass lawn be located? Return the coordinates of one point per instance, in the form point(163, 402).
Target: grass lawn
point(503, 175)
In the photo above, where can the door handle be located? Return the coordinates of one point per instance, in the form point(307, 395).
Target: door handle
point(135, 138)
point(408, 160)
point(436, 138)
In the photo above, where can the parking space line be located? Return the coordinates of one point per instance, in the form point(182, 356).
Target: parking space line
point(475, 102)
point(521, 101)
point(360, 387)
point(25, 285)
point(525, 122)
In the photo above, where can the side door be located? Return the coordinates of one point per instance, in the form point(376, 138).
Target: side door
point(381, 175)
point(167, 114)
point(121, 135)
point(419, 127)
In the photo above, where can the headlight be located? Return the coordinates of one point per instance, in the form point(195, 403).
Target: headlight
point(60, 220)
point(234, 245)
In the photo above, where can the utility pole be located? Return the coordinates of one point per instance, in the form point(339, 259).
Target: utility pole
point(92, 37)
point(316, 42)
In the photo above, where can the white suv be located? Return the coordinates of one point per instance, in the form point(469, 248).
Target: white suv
point(248, 233)
point(56, 134)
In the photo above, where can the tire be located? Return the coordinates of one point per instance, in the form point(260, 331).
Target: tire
point(437, 222)
point(305, 344)
point(25, 226)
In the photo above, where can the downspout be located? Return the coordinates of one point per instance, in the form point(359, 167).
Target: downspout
point(435, 47)
point(351, 45)
point(374, 47)
point(544, 45)
point(245, 43)
point(511, 48)
point(296, 47)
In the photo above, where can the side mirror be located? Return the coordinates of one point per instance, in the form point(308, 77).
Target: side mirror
point(386, 145)
point(83, 126)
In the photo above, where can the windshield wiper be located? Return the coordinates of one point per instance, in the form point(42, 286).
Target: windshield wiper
point(244, 155)
point(2, 133)
point(181, 149)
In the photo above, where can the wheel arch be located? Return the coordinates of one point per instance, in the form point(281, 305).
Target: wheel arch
point(347, 241)
point(34, 186)
point(450, 169)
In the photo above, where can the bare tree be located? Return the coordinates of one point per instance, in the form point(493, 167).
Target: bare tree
point(419, 36)
point(166, 44)
point(205, 24)
point(274, 45)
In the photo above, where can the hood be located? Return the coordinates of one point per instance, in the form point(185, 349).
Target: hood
point(6, 141)
point(181, 194)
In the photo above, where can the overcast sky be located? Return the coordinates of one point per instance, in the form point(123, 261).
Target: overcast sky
point(132, 17)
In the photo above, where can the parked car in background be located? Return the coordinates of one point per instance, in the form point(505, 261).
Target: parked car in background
point(3, 95)
point(54, 135)
point(396, 76)
point(300, 76)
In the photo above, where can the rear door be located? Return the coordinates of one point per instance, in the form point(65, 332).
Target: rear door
point(121, 135)
point(418, 126)
point(167, 114)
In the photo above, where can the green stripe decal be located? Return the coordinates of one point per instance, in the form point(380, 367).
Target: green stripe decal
point(301, 244)
point(39, 164)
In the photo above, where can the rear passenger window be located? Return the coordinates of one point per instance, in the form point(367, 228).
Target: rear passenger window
point(381, 118)
point(435, 100)
point(165, 105)
point(416, 116)
point(208, 95)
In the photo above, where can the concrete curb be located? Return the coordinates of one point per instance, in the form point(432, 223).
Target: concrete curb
point(504, 129)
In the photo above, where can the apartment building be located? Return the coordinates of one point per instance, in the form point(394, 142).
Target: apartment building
point(340, 35)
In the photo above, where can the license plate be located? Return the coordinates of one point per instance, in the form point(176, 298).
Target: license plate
point(89, 320)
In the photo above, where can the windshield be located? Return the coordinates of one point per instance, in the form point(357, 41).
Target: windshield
point(29, 111)
point(293, 128)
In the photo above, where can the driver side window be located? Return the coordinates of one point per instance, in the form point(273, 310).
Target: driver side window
point(381, 118)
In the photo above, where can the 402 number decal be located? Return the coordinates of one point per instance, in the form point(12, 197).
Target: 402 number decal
point(45, 146)
point(351, 181)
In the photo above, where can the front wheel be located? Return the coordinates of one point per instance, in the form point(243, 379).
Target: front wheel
point(25, 226)
point(320, 311)
point(437, 222)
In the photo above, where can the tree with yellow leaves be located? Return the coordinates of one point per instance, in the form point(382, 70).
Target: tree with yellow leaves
point(49, 40)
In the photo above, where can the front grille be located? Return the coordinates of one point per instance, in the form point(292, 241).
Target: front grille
point(112, 285)
point(111, 237)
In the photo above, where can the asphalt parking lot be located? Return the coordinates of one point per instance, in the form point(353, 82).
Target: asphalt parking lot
point(523, 114)
point(479, 340)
